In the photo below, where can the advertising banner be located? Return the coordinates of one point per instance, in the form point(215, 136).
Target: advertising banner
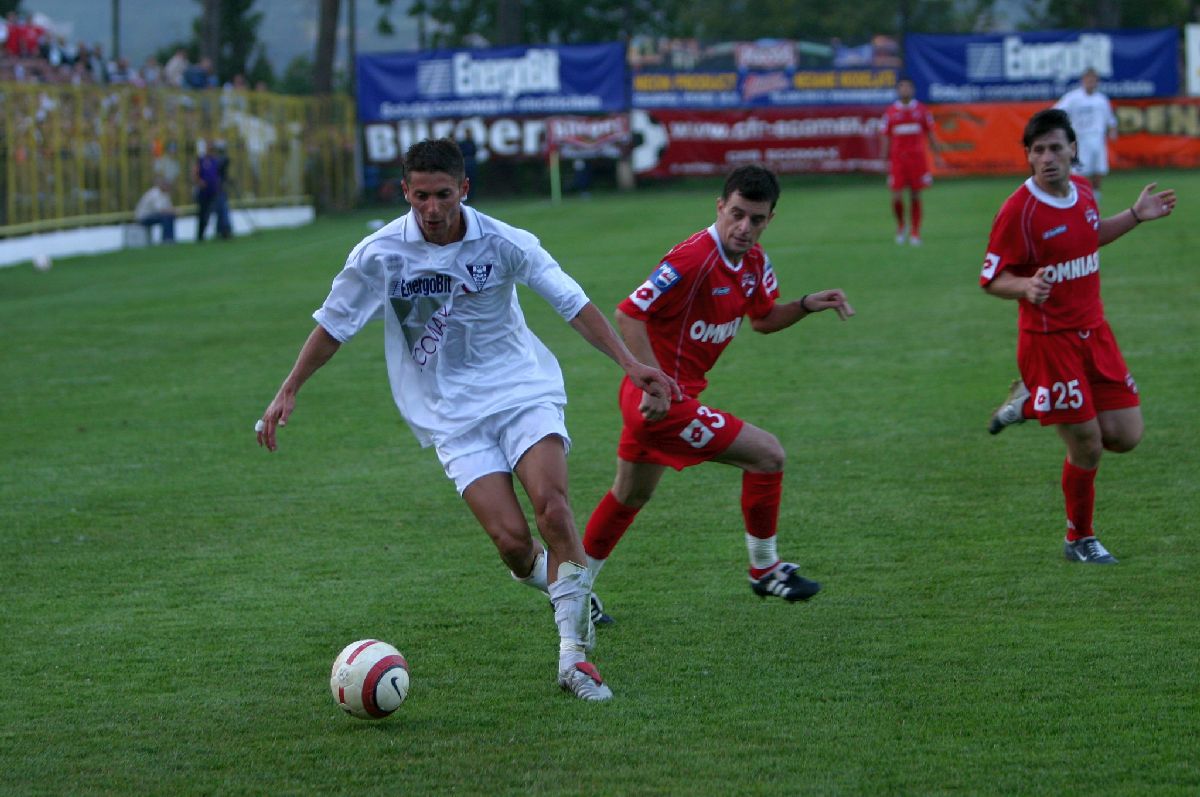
point(510, 81)
point(1191, 58)
point(1042, 65)
point(986, 138)
point(589, 136)
point(764, 89)
point(672, 143)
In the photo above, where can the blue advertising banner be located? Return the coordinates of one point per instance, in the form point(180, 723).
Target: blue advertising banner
point(779, 88)
point(1042, 65)
point(507, 81)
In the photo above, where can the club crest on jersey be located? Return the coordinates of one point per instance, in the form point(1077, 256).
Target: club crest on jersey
point(1093, 218)
point(479, 274)
point(749, 282)
point(664, 276)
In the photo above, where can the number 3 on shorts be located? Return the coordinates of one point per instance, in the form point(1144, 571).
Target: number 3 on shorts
point(697, 433)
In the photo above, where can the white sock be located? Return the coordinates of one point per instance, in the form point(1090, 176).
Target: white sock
point(537, 576)
point(572, 614)
point(594, 566)
point(762, 551)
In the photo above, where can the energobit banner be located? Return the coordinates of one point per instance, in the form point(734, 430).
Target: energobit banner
point(509, 81)
point(1042, 65)
point(986, 138)
point(668, 143)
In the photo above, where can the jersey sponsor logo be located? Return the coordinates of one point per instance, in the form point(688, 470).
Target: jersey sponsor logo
point(906, 129)
point(1055, 231)
point(697, 434)
point(705, 332)
point(1041, 399)
point(1076, 268)
point(430, 341)
point(645, 295)
point(436, 285)
point(722, 291)
point(479, 274)
point(749, 282)
point(991, 262)
point(664, 276)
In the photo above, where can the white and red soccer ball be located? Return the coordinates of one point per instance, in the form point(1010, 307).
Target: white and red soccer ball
point(369, 679)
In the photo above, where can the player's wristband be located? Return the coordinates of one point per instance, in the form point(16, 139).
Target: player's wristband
point(1133, 213)
point(802, 305)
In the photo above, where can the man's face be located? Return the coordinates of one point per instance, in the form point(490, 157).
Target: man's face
point(740, 222)
point(905, 90)
point(435, 198)
point(1090, 81)
point(1050, 157)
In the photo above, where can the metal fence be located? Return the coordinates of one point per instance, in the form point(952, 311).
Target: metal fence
point(77, 155)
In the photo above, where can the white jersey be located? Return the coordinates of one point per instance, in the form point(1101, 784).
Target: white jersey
point(1091, 114)
point(456, 342)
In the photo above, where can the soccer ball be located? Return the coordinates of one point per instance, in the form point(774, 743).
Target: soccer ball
point(369, 679)
point(42, 261)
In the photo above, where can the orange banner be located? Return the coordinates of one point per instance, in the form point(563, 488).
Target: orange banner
point(986, 138)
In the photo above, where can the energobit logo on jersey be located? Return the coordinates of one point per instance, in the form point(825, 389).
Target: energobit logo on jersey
point(1059, 230)
point(1073, 269)
point(714, 333)
point(435, 285)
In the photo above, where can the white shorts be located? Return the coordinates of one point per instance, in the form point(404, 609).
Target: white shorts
point(497, 444)
point(1093, 156)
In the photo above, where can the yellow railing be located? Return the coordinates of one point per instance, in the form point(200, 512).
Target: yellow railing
point(78, 155)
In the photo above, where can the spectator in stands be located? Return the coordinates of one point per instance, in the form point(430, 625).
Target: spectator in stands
point(97, 64)
point(200, 75)
point(175, 68)
point(166, 167)
point(151, 72)
point(14, 32)
point(209, 174)
point(155, 209)
point(119, 71)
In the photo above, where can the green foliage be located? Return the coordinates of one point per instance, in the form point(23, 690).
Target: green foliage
point(297, 78)
point(1108, 13)
point(174, 596)
point(238, 35)
point(261, 70)
point(10, 5)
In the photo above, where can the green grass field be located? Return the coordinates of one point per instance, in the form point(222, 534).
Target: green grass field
point(173, 596)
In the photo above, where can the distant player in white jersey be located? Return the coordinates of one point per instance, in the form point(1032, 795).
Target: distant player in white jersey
point(472, 380)
point(1095, 124)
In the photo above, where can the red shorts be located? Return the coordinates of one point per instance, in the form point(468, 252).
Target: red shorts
point(690, 434)
point(910, 172)
point(1073, 375)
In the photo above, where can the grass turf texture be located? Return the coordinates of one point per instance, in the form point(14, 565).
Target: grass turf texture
point(173, 596)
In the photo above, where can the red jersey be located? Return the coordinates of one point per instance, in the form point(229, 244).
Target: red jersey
point(694, 302)
point(1035, 229)
point(907, 126)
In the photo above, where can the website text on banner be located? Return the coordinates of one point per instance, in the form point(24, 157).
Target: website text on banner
point(1042, 65)
point(508, 81)
point(986, 138)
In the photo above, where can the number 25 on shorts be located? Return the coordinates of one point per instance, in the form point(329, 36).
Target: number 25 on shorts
point(699, 432)
point(1066, 395)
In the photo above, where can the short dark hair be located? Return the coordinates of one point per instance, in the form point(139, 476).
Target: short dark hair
point(753, 181)
point(1043, 122)
point(435, 155)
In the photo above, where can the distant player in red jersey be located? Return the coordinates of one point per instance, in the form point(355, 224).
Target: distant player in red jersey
point(681, 319)
point(1044, 252)
point(907, 125)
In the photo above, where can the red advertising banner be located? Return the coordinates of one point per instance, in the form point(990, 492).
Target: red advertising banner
point(977, 138)
point(789, 140)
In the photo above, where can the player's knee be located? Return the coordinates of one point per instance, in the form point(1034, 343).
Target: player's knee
point(632, 495)
point(554, 514)
point(1123, 443)
point(773, 458)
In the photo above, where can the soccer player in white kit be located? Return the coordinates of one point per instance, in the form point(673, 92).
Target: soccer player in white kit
point(1094, 122)
point(472, 380)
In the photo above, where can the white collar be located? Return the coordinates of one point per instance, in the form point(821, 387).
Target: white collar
point(1060, 202)
point(712, 230)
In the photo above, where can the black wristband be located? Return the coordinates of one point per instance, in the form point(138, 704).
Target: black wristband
point(802, 298)
point(1133, 213)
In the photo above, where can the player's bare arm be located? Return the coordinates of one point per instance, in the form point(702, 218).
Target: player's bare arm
point(316, 351)
point(784, 314)
point(1035, 289)
point(653, 407)
point(595, 329)
point(1150, 205)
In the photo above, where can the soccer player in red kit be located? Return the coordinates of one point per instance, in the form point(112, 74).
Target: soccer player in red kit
point(1044, 253)
point(681, 319)
point(907, 124)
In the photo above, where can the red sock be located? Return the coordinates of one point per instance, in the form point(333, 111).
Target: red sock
point(606, 526)
point(916, 216)
point(898, 209)
point(761, 496)
point(1079, 490)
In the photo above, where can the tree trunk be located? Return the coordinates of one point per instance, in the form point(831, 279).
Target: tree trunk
point(210, 45)
point(508, 23)
point(327, 24)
